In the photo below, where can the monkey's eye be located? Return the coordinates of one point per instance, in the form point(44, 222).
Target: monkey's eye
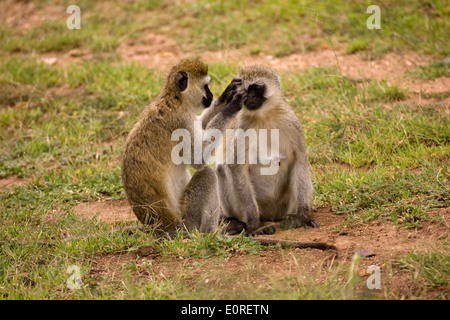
point(256, 88)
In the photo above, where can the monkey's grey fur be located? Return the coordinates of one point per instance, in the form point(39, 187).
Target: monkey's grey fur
point(247, 198)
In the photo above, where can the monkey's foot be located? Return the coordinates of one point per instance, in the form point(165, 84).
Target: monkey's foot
point(313, 223)
point(233, 226)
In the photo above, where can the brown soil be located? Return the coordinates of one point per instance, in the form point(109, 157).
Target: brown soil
point(11, 181)
point(26, 15)
point(388, 240)
point(106, 211)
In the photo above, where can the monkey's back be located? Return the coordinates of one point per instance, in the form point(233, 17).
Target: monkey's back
point(145, 164)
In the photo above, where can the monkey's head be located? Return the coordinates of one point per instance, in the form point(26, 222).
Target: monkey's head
point(261, 85)
point(187, 84)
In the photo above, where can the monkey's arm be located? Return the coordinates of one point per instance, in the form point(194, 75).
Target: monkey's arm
point(211, 112)
point(222, 118)
point(301, 192)
point(219, 122)
point(220, 103)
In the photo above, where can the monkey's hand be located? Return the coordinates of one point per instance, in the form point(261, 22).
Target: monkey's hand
point(235, 105)
point(220, 105)
point(226, 113)
point(228, 94)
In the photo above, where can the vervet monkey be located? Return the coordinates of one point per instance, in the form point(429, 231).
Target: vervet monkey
point(158, 190)
point(248, 198)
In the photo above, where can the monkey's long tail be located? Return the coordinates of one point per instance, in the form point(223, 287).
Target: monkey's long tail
point(297, 244)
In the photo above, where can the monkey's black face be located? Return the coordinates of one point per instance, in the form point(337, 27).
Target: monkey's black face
point(209, 97)
point(255, 96)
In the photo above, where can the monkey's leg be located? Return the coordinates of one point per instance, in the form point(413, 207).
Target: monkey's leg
point(199, 202)
point(227, 198)
point(299, 208)
point(234, 219)
point(236, 195)
point(228, 202)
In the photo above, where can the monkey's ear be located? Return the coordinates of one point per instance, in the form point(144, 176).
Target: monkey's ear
point(279, 81)
point(181, 81)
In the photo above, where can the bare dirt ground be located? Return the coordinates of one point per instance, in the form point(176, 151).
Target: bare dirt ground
point(106, 211)
point(11, 181)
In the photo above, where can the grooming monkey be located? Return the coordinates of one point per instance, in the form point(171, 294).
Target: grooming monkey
point(158, 190)
point(249, 199)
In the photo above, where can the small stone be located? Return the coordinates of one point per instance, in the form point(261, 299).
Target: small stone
point(365, 252)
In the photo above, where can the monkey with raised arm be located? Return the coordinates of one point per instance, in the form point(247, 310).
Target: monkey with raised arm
point(249, 198)
point(158, 190)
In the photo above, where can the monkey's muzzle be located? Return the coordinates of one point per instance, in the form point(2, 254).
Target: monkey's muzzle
point(209, 97)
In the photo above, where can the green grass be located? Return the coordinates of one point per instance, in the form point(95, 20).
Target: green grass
point(290, 26)
point(360, 44)
point(436, 95)
point(373, 155)
point(101, 30)
point(433, 70)
point(287, 26)
point(206, 245)
point(429, 268)
point(391, 194)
